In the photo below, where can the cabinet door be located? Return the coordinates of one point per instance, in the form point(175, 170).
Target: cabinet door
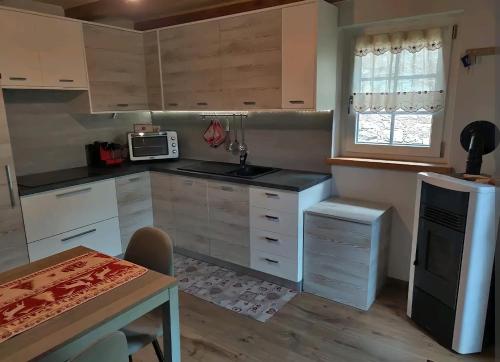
point(228, 227)
point(299, 56)
point(19, 58)
point(13, 250)
point(251, 60)
point(62, 57)
point(191, 66)
point(135, 209)
point(190, 209)
point(116, 69)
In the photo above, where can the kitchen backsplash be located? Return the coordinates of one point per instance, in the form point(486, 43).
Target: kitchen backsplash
point(295, 140)
point(48, 135)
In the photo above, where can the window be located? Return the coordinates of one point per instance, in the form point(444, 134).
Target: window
point(398, 93)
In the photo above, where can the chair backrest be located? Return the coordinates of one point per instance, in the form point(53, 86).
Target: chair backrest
point(151, 248)
point(113, 347)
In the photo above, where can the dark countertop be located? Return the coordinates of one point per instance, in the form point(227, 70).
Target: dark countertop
point(290, 180)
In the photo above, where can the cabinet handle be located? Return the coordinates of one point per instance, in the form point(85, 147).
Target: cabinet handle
point(18, 78)
point(70, 193)
point(187, 182)
point(78, 235)
point(202, 104)
point(9, 185)
point(271, 240)
point(272, 218)
point(297, 101)
point(272, 196)
point(227, 188)
point(134, 179)
point(249, 103)
point(66, 80)
point(172, 104)
point(122, 104)
point(271, 261)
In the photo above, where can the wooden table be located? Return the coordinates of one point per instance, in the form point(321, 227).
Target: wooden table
point(58, 338)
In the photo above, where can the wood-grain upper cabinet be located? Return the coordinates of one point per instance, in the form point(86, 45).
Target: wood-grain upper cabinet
point(309, 56)
point(190, 62)
point(250, 47)
point(40, 51)
point(116, 69)
point(13, 249)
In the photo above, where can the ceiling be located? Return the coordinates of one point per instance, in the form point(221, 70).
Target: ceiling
point(148, 14)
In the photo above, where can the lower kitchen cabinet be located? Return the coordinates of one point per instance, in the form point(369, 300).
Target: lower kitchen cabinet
point(345, 250)
point(86, 215)
point(163, 211)
point(103, 236)
point(229, 225)
point(135, 209)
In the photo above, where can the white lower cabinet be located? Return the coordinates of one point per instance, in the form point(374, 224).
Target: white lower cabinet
point(276, 228)
point(60, 219)
point(103, 236)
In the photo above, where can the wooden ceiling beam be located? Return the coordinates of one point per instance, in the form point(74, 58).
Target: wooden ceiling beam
point(208, 13)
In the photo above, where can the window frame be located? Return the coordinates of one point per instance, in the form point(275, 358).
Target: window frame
point(349, 120)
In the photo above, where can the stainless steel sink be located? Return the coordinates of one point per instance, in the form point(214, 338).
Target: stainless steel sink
point(229, 169)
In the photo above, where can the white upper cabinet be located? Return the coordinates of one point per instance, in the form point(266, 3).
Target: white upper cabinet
point(40, 51)
point(309, 56)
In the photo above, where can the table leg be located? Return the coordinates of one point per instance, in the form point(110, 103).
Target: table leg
point(171, 327)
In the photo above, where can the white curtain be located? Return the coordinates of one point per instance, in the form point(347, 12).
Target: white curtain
point(401, 71)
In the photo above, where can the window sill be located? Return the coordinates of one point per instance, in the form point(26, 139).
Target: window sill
point(391, 165)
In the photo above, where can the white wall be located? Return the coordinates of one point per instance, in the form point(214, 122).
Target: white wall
point(474, 100)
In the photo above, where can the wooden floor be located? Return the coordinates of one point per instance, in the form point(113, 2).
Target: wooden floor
point(308, 328)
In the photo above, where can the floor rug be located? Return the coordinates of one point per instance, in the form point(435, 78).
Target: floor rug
point(238, 292)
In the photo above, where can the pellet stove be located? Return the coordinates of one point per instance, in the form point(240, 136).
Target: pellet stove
point(452, 256)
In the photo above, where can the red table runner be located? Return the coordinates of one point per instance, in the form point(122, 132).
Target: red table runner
point(35, 298)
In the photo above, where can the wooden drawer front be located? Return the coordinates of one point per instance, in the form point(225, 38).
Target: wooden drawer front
point(274, 243)
point(70, 208)
point(133, 189)
point(340, 232)
point(337, 290)
point(228, 203)
point(274, 265)
point(231, 252)
point(103, 236)
point(274, 199)
point(275, 221)
point(193, 241)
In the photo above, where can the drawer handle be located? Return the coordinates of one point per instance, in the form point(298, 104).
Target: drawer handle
point(271, 240)
point(188, 182)
point(122, 104)
point(172, 104)
point(134, 179)
point(296, 101)
point(78, 235)
point(272, 196)
point(249, 103)
point(227, 188)
point(71, 193)
point(66, 80)
point(271, 261)
point(18, 78)
point(272, 218)
point(202, 104)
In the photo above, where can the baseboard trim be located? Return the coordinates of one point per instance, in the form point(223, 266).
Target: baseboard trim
point(297, 286)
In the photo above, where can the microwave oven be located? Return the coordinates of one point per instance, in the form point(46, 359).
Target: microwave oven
point(153, 145)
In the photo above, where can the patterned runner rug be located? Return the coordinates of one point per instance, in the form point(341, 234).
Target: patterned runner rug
point(37, 297)
point(237, 292)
